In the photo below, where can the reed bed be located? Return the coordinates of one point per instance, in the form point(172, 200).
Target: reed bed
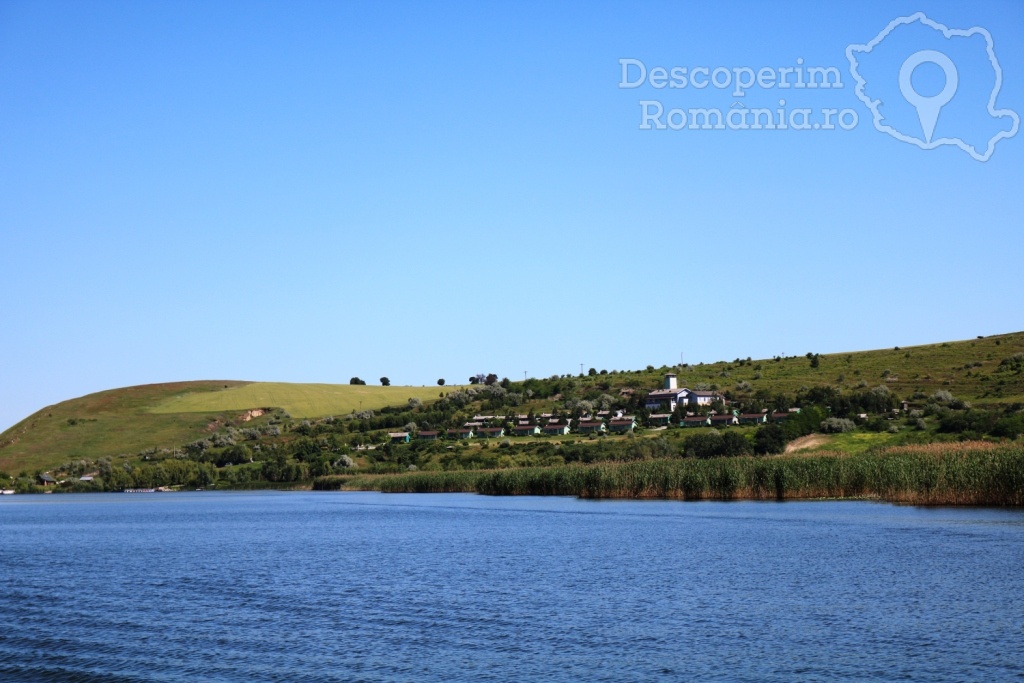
point(932, 474)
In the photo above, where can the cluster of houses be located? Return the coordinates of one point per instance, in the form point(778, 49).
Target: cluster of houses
point(46, 479)
point(604, 421)
point(671, 396)
point(668, 398)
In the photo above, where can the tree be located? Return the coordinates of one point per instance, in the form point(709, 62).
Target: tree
point(715, 445)
point(440, 382)
point(385, 382)
point(769, 439)
point(592, 371)
point(356, 380)
point(235, 455)
point(836, 425)
point(490, 379)
point(734, 444)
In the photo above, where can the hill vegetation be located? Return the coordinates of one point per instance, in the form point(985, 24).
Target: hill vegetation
point(107, 424)
point(247, 434)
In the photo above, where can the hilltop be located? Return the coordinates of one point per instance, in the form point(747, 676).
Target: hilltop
point(203, 420)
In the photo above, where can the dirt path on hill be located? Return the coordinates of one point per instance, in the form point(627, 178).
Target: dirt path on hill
point(805, 442)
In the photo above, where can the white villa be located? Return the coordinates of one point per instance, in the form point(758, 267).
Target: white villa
point(672, 395)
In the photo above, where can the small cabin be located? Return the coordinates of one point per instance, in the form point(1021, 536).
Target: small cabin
point(622, 426)
point(555, 429)
point(592, 427)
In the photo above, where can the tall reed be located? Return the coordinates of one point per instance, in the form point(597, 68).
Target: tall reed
point(932, 474)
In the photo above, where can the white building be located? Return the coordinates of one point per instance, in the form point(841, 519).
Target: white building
point(671, 395)
point(668, 397)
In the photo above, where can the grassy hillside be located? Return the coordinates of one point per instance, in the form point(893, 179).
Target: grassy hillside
point(106, 424)
point(986, 372)
point(127, 421)
point(969, 369)
point(300, 400)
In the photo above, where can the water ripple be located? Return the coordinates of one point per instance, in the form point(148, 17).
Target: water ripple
point(365, 587)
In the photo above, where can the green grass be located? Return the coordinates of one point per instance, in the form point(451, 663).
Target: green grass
point(126, 421)
point(300, 400)
point(106, 424)
point(904, 370)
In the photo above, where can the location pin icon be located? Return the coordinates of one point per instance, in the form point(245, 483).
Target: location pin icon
point(928, 108)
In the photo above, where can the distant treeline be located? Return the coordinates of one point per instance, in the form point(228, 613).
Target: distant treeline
point(973, 473)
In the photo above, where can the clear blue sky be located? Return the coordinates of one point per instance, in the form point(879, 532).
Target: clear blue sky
point(309, 191)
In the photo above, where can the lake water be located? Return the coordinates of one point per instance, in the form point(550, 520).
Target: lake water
point(276, 586)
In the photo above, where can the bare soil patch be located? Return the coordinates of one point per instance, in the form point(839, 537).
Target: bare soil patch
point(806, 442)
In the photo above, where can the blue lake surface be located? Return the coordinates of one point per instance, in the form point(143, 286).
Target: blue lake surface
point(274, 586)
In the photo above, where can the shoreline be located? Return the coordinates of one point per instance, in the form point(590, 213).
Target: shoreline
point(940, 474)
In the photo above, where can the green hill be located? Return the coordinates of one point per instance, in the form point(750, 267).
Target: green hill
point(105, 424)
point(979, 370)
point(127, 422)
